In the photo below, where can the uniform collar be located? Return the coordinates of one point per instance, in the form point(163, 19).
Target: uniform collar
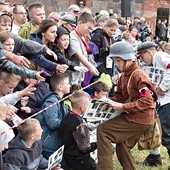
point(131, 68)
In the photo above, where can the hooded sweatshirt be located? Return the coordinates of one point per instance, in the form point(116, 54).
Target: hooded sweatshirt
point(21, 157)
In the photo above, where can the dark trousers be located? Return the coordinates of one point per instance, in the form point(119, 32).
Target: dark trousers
point(87, 163)
point(122, 132)
point(164, 115)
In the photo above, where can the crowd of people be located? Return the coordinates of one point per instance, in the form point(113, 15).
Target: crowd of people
point(44, 59)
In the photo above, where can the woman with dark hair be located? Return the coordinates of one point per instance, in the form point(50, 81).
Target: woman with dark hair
point(46, 35)
point(60, 48)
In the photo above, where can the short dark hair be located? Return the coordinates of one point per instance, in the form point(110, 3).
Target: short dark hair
point(15, 7)
point(100, 86)
point(57, 79)
point(86, 17)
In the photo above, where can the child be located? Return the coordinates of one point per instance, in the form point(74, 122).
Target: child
point(7, 40)
point(51, 118)
point(100, 90)
point(25, 151)
point(32, 104)
point(73, 88)
point(135, 95)
point(37, 14)
point(76, 137)
point(8, 81)
point(79, 48)
point(5, 22)
point(62, 42)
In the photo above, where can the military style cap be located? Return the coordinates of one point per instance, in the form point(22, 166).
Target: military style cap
point(145, 46)
point(71, 19)
point(123, 50)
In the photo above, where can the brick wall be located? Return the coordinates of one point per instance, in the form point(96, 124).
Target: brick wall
point(148, 8)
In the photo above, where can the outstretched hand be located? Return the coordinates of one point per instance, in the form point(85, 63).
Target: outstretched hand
point(81, 68)
point(62, 68)
point(94, 71)
point(39, 77)
point(18, 60)
point(27, 91)
point(51, 53)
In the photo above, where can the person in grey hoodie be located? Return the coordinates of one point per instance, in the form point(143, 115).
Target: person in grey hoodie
point(25, 151)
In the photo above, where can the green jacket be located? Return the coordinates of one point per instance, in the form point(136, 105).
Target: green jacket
point(27, 29)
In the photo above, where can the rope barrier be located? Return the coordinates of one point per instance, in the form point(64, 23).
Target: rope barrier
point(19, 123)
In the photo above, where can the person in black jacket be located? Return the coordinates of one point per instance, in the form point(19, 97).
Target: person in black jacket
point(103, 38)
point(32, 104)
point(75, 137)
point(62, 42)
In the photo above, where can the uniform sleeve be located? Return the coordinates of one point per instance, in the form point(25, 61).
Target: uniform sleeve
point(165, 84)
point(145, 94)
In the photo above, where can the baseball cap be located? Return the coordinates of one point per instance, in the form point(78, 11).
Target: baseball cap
point(74, 7)
point(71, 19)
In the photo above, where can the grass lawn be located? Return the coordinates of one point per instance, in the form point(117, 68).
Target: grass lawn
point(141, 155)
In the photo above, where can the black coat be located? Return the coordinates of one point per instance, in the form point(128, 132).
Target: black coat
point(103, 42)
point(35, 99)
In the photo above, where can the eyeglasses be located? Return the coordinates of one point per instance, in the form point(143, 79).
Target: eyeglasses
point(141, 54)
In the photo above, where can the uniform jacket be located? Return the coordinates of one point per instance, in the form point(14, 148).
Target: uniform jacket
point(161, 60)
point(140, 109)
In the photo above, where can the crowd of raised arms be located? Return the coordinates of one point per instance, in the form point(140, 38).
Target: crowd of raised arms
point(80, 56)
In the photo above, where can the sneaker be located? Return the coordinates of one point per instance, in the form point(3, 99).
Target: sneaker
point(153, 160)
